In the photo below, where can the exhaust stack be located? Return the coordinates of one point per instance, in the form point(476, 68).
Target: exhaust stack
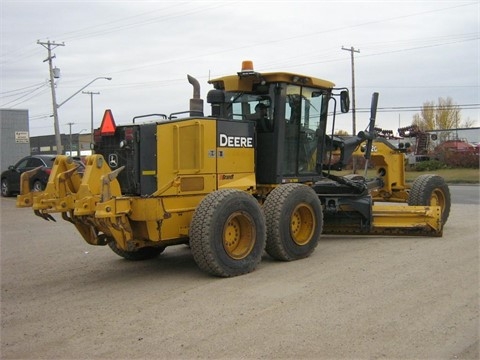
point(196, 103)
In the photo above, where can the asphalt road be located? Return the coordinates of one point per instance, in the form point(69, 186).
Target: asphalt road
point(354, 298)
point(465, 194)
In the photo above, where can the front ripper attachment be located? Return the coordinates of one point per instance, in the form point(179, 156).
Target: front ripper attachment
point(58, 195)
point(78, 198)
point(67, 190)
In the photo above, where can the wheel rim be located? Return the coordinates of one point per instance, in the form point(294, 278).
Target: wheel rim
point(37, 186)
point(239, 235)
point(438, 199)
point(4, 187)
point(302, 224)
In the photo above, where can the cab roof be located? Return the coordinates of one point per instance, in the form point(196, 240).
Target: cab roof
point(244, 81)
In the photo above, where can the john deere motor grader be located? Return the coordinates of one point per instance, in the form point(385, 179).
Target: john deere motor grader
point(257, 174)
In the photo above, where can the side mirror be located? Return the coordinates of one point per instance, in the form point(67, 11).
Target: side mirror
point(344, 101)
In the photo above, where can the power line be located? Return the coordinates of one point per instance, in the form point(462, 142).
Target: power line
point(20, 90)
point(31, 92)
point(420, 108)
point(124, 24)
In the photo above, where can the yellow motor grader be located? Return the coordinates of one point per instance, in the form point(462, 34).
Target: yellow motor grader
point(257, 174)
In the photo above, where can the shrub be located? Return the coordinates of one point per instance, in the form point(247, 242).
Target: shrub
point(461, 159)
point(429, 165)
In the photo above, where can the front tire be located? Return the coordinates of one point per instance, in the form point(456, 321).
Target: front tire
point(227, 233)
point(431, 190)
point(294, 221)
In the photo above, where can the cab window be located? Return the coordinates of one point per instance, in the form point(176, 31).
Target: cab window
point(254, 107)
point(303, 108)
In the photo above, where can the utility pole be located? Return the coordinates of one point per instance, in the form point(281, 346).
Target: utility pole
point(91, 93)
point(70, 125)
point(352, 50)
point(50, 45)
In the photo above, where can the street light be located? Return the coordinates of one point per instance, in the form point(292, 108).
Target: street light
point(98, 78)
point(58, 140)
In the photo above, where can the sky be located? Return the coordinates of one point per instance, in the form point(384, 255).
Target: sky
point(410, 52)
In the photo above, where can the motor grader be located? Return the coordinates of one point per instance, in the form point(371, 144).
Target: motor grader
point(257, 174)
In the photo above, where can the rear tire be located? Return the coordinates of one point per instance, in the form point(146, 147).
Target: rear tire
point(431, 190)
point(294, 221)
point(227, 233)
point(144, 253)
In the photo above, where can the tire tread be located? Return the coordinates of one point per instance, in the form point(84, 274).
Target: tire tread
point(422, 189)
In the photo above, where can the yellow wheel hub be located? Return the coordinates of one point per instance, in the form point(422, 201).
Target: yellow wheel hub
point(239, 235)
point(437, 199)
point(302, 224)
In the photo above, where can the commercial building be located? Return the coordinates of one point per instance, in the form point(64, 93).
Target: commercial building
point(14, 136)
point(16, 142)
point(74, 144)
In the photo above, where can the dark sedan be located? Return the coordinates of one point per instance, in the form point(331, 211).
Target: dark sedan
point(11, 177)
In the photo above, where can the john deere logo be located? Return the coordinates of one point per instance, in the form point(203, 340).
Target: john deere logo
point(235, 141)
point(113, 160)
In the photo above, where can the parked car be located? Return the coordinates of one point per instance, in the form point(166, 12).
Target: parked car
point(10, 178)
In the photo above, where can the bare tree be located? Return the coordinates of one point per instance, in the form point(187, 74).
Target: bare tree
point(468, 123)
point(443, 116)
point(341, 132)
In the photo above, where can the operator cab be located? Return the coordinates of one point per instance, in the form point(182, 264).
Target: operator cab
point(290, 113)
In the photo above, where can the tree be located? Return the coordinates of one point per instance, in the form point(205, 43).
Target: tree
point(443, 116)
point(468, 123)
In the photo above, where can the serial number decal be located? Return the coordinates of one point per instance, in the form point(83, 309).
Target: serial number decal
point(235, 141)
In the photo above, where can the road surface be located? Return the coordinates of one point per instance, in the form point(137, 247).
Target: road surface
point(354, 298)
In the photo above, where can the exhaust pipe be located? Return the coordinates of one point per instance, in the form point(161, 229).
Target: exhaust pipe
point(196, 103)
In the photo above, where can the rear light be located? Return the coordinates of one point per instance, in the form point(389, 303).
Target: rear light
point(47, 171)
point(129, 134)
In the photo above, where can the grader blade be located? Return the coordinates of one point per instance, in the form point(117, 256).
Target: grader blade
point(407, 220)
point(403, 220)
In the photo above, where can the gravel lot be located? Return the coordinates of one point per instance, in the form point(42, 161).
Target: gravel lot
point(355, 297)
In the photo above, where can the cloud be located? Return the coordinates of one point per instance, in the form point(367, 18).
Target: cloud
point(410, 52)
